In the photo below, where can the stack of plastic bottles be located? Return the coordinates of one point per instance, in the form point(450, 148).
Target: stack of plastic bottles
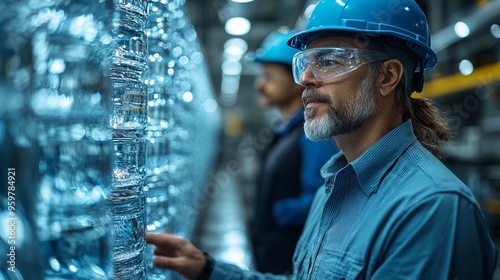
point(108, 129)
point(55, 126)
point(159, 131)
point(182, 124)
point(128, 121)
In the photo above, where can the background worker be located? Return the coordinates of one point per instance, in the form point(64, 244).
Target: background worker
point(290, 168)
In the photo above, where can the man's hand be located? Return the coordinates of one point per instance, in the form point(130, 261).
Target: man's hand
point(177, 254)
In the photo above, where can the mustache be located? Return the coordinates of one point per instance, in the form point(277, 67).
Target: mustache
point(310, 94)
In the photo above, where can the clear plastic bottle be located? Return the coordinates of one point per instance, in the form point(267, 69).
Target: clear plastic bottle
point(128, 121)
point(179, 89)
point(57, 121)
point(159, 128)
point(192, 140)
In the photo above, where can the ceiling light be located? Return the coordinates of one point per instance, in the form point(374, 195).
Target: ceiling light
point(495, 30)
point(466, 67)
point(462, 29)
point(229, 90)
point(235, 48)
point(242, 1)
point(237, 26)
point(232, 68)
point(230, 84)
point(237, 45)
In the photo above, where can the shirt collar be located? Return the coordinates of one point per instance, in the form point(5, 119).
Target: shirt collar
point(285, 127)
point(370, 167)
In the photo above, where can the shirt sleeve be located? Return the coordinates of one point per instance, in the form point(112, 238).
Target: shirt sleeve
point(226, 271)
point(444, 237)
point(293, 211)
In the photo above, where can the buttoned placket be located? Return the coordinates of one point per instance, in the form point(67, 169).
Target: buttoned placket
point(337, 187)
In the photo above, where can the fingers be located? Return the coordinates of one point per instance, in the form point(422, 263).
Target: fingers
point(168, 244)
point(160, 239)
point(176, 254)
point(160, 252)
point(165, 262)
point(165, 241)
point(181, 265)
point(165, 244)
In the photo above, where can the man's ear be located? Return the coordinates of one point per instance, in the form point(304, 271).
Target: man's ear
point(390, 76)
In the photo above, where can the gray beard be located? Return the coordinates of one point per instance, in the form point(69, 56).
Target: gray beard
point(345, 118)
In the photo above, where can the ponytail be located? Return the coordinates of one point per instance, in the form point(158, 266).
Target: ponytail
point(430, 128)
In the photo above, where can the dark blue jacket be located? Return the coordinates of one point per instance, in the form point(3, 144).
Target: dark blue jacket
point(289, 179)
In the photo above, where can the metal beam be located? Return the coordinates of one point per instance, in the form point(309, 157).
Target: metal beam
point(476, 20)
point(482, 76)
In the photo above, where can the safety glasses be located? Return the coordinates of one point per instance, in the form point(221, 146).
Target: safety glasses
point(329, 63)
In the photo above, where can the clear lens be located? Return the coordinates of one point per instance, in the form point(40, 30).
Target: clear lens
point(329, 63)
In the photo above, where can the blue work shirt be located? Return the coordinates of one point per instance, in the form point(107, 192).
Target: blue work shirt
point(396, 212)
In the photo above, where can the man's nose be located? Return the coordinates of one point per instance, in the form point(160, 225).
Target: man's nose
point(307, 77)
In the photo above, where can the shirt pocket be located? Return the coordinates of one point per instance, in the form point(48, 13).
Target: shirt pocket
point(338, 265)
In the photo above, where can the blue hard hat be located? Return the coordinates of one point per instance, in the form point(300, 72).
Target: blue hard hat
point(401, 23)
point(274, 48)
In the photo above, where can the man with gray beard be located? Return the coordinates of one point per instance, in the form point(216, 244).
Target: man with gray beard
point(348, 117)
point(389, 209)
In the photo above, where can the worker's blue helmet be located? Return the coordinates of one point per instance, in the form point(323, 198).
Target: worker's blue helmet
point(274, 48)
point(394, 23)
